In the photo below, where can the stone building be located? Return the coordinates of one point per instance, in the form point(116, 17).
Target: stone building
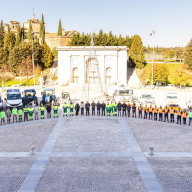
point(112, 61)
point(52, 39)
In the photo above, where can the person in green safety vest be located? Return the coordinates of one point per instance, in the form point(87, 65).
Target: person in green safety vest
point(2, 115)
point(8, 114)
point(112, 109)
point(115, 108)
point(31, 110)
point(190, 117)
point(71, 106)
point(65, 106)
point(20, 113)
point(108, 109)
point(55, 110)
point(14, 112)
point(42, 109)
point(26, 111)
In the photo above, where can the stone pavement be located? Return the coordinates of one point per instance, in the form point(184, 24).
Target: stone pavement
point(95, 154)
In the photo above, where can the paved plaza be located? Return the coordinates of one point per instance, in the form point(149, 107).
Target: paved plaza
point(85, 154)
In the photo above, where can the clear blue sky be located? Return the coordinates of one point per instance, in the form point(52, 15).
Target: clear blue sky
point(171, 19)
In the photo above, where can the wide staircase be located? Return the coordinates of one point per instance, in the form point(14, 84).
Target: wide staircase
point(132, 78)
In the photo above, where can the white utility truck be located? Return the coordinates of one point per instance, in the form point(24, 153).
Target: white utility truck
point(14, 98)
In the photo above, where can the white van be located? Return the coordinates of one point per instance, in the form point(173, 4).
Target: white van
point(1, 103)
point(14, 98)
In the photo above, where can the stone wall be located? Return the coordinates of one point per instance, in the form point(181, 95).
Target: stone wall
point(57, 41)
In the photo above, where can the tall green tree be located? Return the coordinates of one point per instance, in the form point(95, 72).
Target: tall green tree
point(179, 53)
point(171, 54)
point(23, 33)
point(160, 73)
point(136, 56)
point(2, 34)
point(47, 56)
point(55, 52)
point(42, 30)
point(59, 32)
point(120, 41)
point(115, 43)
point(9, 39)
point(23, 51)
point(188, 55)
point(18, 38)
point(30, 31)
point(128, 41)
point(110, 39)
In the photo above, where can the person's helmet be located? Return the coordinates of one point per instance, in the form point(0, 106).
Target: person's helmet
point(64, 102)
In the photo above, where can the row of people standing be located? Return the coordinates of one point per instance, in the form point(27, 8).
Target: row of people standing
point(27, 113)
point(152, 113)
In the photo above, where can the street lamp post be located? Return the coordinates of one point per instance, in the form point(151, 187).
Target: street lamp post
point(33, 59)
point(153, 33)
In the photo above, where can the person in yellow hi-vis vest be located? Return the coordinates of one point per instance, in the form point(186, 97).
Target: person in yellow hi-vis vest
point(65, 106)
point(42, 109)
point(30, 113)
point(55, 109)
point(115, 108)
point(112, 108)
point(71, 106)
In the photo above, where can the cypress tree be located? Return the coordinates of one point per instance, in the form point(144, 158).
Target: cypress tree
point(59, 32)
point(30, 31)
point(23, 33)
point(18, 39)
point(42, 30)
point(2, 34)
point(136, 56)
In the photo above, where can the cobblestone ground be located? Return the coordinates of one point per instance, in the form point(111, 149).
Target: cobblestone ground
point(164, 137)
point(21, 137)
point(91, 135)
point(91, 174)
point(174, 175)
point(12, 172)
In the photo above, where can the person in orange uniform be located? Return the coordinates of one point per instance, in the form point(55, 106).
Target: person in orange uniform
point(172, 112)
point(140, 108)
point(184, 115)
point(155, 112)
point(179, 113)
point(146, 110)
point(151, 112)
point(166, 113)
point(161, 113)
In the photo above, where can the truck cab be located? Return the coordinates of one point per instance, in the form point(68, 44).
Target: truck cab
point(146, 98)
point(172, 99)
point(124, 94)
point(14, 98)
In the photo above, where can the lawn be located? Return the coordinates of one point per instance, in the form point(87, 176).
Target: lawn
point(171, 67)
point(13, 81)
